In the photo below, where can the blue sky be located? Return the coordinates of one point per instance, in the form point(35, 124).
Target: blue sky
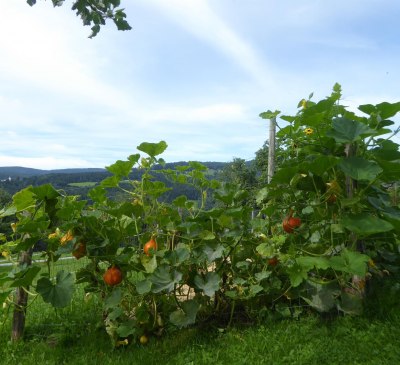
point(195, 73)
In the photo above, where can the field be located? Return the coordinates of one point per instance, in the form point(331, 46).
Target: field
point(87, 184)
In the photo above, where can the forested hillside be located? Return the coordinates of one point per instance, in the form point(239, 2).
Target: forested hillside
point(80, 181)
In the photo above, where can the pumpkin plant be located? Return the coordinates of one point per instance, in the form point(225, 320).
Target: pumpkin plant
point(206, 256)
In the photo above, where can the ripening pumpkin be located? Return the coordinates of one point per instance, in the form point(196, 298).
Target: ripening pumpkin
point(113, 276)
point(79, 251)
point(150, 245)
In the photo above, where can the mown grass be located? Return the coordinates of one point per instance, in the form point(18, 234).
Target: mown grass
point(86, 184)
point(75, 335)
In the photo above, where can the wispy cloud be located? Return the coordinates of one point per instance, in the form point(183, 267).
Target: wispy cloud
point(198, 18)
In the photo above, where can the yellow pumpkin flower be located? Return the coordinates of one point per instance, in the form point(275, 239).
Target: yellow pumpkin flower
point(67, 237)
point(309, 131)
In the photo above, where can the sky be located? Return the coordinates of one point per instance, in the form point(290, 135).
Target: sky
point(194, 73)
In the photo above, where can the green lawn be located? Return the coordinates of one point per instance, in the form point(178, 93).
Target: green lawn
point(75, 335)
point(87, 184)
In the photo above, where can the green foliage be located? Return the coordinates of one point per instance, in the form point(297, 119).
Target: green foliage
point(326, 223)
point(95, 13)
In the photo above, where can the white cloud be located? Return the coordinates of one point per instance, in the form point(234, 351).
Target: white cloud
point(198, 18)
point(38, 52)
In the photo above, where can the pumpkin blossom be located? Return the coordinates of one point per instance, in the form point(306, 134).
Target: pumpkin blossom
point(309, 131)
point(67, 237)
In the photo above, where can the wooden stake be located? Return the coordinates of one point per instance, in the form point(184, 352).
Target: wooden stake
point(271, 149)
point(21, 301)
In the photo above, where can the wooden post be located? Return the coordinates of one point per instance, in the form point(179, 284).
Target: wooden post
point(271, 149)
point(358, 282)
point(21, 301)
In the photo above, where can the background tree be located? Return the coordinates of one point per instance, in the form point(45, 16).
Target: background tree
point(95, 13)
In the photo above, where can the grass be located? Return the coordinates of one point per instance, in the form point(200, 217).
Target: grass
point(75, 335)
point(87, 184)
point(311, 340)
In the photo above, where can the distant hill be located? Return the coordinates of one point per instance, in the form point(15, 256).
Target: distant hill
point(80, 181)
point(16, 172)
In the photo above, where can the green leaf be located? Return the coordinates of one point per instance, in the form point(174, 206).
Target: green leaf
point(143, 286)
point(113, 299)
point(350, 262)
point(127, 328)
point(321, 164)
point(164, 278)
point(177, 256)
point(309, 262)
point(60, 293)
point(45, 191)
point(6, 212)
point(207, 235)
point(153, 149)
point(185, 316)
point(269, 114)
point(34, 227)
point(360, 169)
point(213, 253)
point(121, 168)
point(348, 131)
point(351, 303)
point(284, 175)
point(321, 296)
point(266, 249)
point(255, 289)
point(209, 284)
point(24, 277)
point(262, 275)
point(391, 170)
point(385, 109)
point(180, 201)
point(365, 224)
point(110, 182)
point(297, 274)
point(24, 199)
point(149, 263)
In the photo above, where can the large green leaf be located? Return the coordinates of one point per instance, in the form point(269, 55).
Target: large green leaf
point(309, 262)
point(121, 168)
point(113, 299)
point(213, 253)
point(149, 263)
point(127, 328)
point(45, 191)
point(351, 303)
point(209, 284)
point(23, 276)
point(34, 226)
point(350, 262)
point(365, 224)
point(385, 109)
point(321, 296)
point(143, 286)
point(391, 170)
point(347, 131)
point(321, 164)
point(185, 316)
point(360, 169)
point(297, 274)
point(284, 175)
point(24, 199)
point(58, 294)
point(164, 278)
point(153, 149)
